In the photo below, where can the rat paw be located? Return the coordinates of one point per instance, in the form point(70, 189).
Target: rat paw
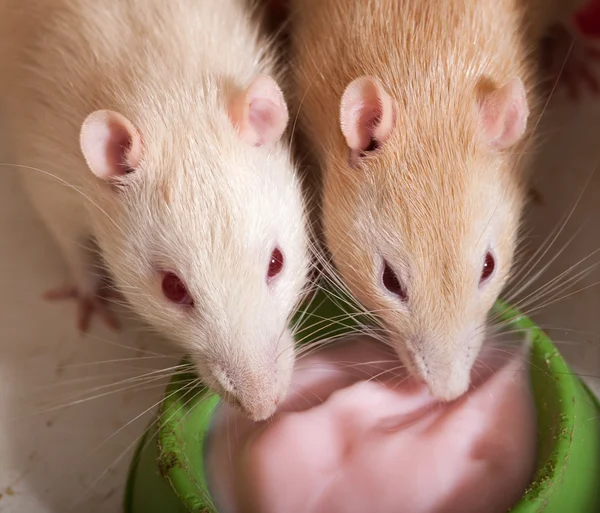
point(569, 62)
point(87, 305)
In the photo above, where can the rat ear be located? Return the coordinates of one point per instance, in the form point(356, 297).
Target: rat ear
point(503, 115)
point(110, 144)
point(260, 113)
point(367, 113)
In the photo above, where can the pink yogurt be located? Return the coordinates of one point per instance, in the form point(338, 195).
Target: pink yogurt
point(362, 438)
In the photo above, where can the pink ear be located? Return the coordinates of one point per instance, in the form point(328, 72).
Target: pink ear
point(367, 113)
point(260, 113)
point(503, 115)
point(110, 144)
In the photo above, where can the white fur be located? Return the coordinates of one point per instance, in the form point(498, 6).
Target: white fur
point(202, 203)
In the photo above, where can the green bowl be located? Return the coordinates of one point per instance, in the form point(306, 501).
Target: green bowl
point(167, 471)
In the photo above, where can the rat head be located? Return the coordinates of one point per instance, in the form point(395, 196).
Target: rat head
point(421, 218)
point(204, 232)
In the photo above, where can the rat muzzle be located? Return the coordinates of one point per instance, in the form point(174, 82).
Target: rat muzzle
point(256, 393)
point(446, 381)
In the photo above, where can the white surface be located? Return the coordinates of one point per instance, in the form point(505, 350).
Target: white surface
point(63, 460)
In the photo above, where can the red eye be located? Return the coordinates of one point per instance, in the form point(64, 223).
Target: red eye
point(392, 283)
point(275, 264)
point(174, 289)
point(489, 265)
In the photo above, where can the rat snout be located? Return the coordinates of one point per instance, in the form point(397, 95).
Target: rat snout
point(449, 386)
point(256, 392)
point(446, 378)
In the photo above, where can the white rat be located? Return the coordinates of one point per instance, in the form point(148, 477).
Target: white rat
point(420, 113)
point(158, 129)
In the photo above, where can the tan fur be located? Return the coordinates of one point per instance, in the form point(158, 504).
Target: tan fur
point(202, 203)
point(434, 197)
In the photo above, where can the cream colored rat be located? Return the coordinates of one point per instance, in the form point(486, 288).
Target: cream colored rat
point(157, 128)
point(420, 113)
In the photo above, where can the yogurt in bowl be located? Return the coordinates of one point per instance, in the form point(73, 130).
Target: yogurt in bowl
point(528, 418)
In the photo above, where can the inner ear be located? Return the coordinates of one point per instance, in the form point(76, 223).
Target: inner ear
point(260, 113)
point(110, 144)
point(367, 114)
point(503, 115)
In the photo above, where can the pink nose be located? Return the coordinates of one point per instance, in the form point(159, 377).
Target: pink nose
point(448, 390)
point(263, 413)
point(257, 406)
point(256, 411)
point(446, 382)
point(256, 394)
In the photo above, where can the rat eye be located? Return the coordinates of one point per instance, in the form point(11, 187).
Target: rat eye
point(275, 264)
point(489, 265)
point(175, 290)
point(391, 282)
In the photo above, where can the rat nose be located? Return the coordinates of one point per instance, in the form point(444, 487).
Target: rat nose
point(446, 381)
point(254, 393)
point(449, 387)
